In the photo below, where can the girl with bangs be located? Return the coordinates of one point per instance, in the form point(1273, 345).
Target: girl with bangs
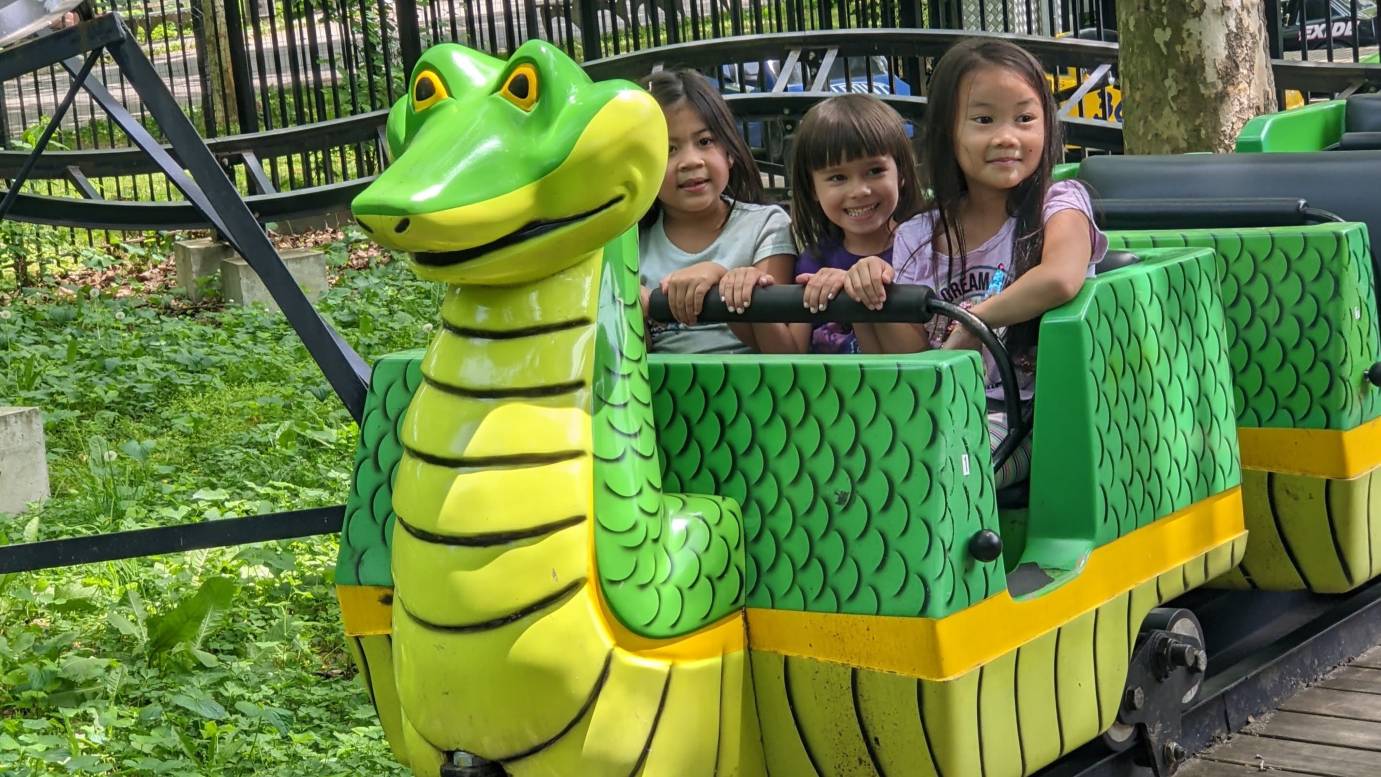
point(995, 235)
point(709, 226)
point(853, 177)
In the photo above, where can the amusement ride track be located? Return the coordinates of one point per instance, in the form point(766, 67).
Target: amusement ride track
point(1262, 647)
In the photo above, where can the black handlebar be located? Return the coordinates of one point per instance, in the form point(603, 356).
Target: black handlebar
point(905, 304)
point(786, 305)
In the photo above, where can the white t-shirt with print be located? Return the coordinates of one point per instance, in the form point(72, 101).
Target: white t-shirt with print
point(752, 233)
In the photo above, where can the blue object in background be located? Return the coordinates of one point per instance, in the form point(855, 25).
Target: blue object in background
point(865, 75)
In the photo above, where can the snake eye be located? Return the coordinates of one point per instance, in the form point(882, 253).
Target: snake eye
point(427, 91)
point(521, 87)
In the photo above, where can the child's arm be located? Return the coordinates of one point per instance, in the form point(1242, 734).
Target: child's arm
point(866, 282)
point(1055, 281)
point(737, 290)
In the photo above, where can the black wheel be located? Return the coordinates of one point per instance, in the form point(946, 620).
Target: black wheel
point(1181, 623)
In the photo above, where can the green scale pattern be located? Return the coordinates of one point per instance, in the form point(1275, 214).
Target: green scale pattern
point(367, 532)
point(1134, 417)
point(1302, 321)
point(849, 470)
point(668, 563)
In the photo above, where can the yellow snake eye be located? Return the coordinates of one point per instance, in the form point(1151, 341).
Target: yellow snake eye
point(427, 91)
point(521, 87)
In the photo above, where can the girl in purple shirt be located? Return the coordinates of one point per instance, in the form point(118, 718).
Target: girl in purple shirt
point(995, 236)
point(854, 179)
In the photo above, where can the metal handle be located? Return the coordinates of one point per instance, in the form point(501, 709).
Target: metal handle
point(785, 305)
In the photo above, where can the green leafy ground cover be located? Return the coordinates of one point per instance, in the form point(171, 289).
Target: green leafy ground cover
point(219, 662)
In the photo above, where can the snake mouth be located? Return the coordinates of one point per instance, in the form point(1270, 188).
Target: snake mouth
point(528, 231)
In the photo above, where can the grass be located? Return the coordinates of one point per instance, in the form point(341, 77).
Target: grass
point(227, 661)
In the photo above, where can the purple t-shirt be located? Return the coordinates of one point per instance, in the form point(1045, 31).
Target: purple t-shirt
point(979, 278)
point(832, 337)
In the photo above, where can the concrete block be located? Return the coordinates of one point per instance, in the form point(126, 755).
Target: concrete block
point(23, 459)
point(197, 259)
point(242, 286)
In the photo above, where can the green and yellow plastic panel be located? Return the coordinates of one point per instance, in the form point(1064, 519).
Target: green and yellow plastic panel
point(1012, 683)
point(1302, 330)
point(861, 481)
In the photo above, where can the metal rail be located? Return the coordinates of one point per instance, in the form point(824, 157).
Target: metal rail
point(138, 543)
point(126, 215)
point(323, 135)
point(807, 48)
point(1263, 647)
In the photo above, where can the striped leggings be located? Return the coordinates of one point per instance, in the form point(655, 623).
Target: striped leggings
point(1018, 466)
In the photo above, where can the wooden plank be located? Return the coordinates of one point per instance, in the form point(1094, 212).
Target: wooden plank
point(1336, 704)
point(1370, 659)
point(1199, 768)
point(1306, 757)
point(1356, 734)
point(1354, 678)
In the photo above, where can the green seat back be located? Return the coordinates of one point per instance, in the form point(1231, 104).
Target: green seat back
point(862, 479)
point(1133, 415)
point(1301, 320)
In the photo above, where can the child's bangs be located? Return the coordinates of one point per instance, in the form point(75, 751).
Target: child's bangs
point(853, 135)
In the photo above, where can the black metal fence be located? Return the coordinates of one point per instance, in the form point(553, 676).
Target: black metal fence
point(241, 67)
point(245, 66)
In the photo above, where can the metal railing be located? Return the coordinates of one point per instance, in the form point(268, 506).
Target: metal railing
point(248, 71)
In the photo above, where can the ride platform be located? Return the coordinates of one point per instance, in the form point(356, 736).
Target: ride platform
point(1331, 729)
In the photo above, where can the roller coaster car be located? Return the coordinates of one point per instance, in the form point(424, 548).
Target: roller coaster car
point(1302, 330)
point(882, 628)
point(562, 556)
point(1352, 124)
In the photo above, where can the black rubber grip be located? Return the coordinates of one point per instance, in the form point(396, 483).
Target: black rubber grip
point(786, 304)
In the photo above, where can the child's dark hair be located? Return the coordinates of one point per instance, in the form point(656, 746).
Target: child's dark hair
point(841, 129)
point(940, 169)
point(671, 87)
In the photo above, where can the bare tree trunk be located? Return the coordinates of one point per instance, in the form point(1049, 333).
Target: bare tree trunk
point(213, 55)
point(1193, 72)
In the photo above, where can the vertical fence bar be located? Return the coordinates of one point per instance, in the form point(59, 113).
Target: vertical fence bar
point(208, 102)
point(409, 36)
point(4, 115)
point(1356, 24)
point(1274, 36)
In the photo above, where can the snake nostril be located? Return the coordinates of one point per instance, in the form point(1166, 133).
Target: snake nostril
point(402, 226)
point(364, 226)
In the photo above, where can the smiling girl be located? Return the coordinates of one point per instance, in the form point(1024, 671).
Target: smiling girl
point(996, 235)
point(708, 227)
point(853, 179)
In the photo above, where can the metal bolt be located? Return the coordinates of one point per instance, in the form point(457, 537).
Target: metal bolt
point(1183, 654)
point(1200, 664)
point(1135, 699)
point(1174, 752)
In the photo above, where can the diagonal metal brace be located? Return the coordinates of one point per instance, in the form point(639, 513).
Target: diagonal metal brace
point(1095, 79)
point(18, 183)
point(212, 193)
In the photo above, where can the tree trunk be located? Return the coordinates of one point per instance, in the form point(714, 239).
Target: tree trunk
point(1193, 72)
point(213, 55)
